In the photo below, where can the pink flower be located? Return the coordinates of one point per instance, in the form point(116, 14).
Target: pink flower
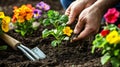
point(112, 15)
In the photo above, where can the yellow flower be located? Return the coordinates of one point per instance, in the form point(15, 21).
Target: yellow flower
point(113, 37)
point(67, 31)
point(7, 19)
point(5, 23)
point(2, 15)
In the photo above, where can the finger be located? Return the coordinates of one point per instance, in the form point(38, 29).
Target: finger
point(85, 33)
point(79, 26)
point(72, 16)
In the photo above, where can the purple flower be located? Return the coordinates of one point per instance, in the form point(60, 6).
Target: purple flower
point(43, 6)
point(37, 13)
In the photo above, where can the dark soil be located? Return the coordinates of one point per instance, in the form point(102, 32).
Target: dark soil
point(67, 55)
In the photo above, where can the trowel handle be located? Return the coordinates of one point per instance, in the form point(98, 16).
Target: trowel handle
point(10, 40)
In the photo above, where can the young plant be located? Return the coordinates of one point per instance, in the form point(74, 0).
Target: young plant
point(108, 40)
point(23, 20)
point(26, 18)
point(59, 29)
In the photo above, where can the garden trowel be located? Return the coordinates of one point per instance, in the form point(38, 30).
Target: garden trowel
point(32, 54)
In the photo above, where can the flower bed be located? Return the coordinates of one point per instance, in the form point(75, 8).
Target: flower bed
point(60, 54)
point(108, 39)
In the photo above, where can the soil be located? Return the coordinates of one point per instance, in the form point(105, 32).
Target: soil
point(66, 55)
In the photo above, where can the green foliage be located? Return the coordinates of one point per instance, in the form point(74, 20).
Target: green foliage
point(110, 51)
point(25, 28)
point(58, 22)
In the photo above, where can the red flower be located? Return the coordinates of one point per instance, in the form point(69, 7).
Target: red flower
point(112, 15)
point(104, 32)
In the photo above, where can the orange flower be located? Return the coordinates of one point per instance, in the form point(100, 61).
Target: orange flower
point(21, 19)
point(29, 16)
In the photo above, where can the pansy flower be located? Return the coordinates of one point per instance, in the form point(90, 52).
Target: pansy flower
point(25, 12)
point(37, 13)
point(43, 6)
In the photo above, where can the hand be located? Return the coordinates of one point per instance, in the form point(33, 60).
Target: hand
point(76, 8)
point(88, 22)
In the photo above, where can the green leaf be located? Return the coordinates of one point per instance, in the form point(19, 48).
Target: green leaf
point(64, 18)
point(3, 47)
point(55, 43)
point(46, 22)
point(23, 33)
point(116, 52)
point(17, 30)
point(47, 32)
point(53, 14)
point(115, 62)
point(105, 58)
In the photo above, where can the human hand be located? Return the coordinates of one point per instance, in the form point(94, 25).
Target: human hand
point(88, 23)
point(76, 8)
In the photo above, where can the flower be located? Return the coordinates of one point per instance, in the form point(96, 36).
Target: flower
point(113, 37)
point(35, 24)
point(37, 13)
point(104, 32)
point(112, 15)
point(43, 6)
point(2, 15)
point(25, 12)
point(5, 24)
point(67, 31)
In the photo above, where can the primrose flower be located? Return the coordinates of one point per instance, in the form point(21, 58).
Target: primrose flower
point(42, 5)
point(112, 15)
point(113, 37)
point(67, 31)
point(2, 15)
point(5, 23)
point(37, 13)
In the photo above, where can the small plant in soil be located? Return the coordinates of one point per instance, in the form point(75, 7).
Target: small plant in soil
point(60, 31)
point(108, 40)
point(26, 17)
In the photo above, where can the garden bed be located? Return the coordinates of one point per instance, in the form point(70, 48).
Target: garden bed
point(66, 55)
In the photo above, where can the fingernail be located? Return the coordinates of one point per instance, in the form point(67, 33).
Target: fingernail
point(75, 31)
